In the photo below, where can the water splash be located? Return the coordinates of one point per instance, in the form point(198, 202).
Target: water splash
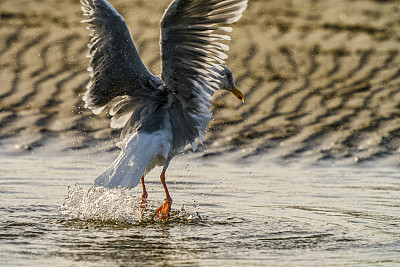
point(116, 206)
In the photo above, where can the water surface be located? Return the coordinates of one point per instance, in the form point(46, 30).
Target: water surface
point(223, 214)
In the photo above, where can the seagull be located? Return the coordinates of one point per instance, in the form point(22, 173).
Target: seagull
point(159, 117)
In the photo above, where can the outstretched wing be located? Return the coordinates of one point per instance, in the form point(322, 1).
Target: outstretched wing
point(191, 35)
point(116, 68)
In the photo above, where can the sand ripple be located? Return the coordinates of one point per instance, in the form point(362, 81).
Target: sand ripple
point(321, 78)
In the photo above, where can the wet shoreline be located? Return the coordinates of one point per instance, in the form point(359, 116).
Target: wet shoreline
point(321, 80)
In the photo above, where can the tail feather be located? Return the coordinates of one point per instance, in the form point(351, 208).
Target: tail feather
point(121, 173)
point(130, 166)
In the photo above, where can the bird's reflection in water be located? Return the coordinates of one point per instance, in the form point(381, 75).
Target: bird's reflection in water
point(132, 246)
point(149, 240)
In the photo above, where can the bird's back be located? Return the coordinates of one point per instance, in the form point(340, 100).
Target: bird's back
point(186, 122)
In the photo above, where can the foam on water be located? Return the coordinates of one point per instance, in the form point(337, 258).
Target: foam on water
point(116, 206)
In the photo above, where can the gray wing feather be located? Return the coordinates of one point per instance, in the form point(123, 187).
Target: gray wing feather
point(190, 44)
point(191, 35)
point(116, 68)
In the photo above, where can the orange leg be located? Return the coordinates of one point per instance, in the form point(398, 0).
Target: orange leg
point(164, 211)
point(143, 204)
point(144, 195)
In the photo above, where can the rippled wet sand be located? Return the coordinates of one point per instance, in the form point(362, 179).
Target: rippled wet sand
point(321, 78)
point(223, 214)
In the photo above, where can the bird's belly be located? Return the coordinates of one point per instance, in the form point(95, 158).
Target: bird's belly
point(160, 145)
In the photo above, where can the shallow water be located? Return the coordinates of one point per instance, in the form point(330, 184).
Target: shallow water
point(223, 214)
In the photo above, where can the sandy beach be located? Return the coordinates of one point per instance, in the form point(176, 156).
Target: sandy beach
point(321, 79)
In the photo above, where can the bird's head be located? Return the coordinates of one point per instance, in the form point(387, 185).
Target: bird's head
point(228, 84)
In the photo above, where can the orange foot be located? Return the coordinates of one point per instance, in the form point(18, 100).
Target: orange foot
point(164, 211)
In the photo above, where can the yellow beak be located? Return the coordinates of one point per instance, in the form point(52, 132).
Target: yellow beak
point(237, 93)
